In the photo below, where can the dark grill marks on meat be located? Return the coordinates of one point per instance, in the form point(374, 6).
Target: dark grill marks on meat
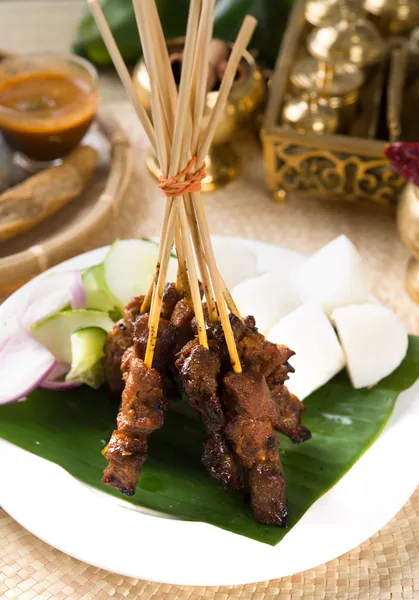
point(140, 414)
point(258, 354)
point(249, 429)
point(216, 339)
point(242, 448)
point(132, 311)
point(118, 341)
point(198, 371)
point(170, 299)
point(220, 462)
point(163, 352)
point(166, 340)
point(267, 485)
point(181, 320)
point(271, 360)
point(290, 411)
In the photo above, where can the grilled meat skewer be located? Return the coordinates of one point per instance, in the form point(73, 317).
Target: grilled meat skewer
point(198, 369)
point(250, 413)
point(271, 360)
point(141, 413)
point(121, 337)
point(242, 448)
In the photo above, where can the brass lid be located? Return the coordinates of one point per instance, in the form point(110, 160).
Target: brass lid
point(310, 116)
point(357, 41)
point(321, 13)
point(339, 79)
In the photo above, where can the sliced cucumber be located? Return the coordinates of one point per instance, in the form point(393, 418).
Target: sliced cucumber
point(129, 268)
point(55, 331)
point(87, 356)
point(98, 296)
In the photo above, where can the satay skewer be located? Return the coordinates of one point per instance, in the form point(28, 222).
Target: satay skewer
point(171, 213)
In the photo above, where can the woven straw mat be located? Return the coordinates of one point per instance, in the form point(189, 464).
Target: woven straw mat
point(386, 567)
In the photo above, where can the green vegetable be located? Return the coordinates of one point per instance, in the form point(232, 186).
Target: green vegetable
point(129, 266)
point(87, 356)
point(69, 428)
point(97, 294)
point(55, 331)
point(229, 14)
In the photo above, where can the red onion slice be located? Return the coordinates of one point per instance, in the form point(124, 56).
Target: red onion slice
point(24, 364)
point(77, 291)
point(56, 379)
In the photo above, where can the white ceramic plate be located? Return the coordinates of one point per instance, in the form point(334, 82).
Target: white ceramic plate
point(114, 535)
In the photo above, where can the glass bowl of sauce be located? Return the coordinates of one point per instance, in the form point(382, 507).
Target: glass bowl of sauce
point(47, 103)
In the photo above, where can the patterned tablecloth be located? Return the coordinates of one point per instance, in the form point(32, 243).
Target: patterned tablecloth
point(385, 567)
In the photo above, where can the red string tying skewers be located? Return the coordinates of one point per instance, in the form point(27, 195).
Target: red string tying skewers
point(177, 186)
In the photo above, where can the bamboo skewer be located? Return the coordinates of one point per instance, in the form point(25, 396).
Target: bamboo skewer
point(201, 67)
point(175, 157)
point(242, 41)
point(175, 137)
point(121, 69)
point(200, 255)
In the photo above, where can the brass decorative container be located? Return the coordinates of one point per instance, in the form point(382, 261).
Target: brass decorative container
point(321, 13)
point(337, 84)
point(351, 39)
point(308, 115)
point(408, 225)
point(332, 167)
point(222, 162)
point(394, 17)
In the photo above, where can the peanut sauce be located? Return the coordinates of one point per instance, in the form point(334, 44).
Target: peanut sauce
point(44, 115)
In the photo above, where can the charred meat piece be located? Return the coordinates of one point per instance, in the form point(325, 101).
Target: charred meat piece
point(216, 339)
point(164, 345)
point(198, 369)
point(290, 411)
point(170, 299)
point(248, 395)
point(220, 462)
point(118, 341)
point(258, 354)
point(271, 360)
point(267, 485)
point(163, 352)
point(132, 311)
point(181, 320)
point(140, 414)
point(250, 410)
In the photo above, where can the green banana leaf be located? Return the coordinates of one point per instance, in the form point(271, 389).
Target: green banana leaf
point(71, 428)
point(271, 15)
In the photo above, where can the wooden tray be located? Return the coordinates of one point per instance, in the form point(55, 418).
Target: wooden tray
point(72, 229)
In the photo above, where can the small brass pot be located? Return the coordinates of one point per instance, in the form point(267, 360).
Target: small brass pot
point(408, 224)
point(222, 162)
